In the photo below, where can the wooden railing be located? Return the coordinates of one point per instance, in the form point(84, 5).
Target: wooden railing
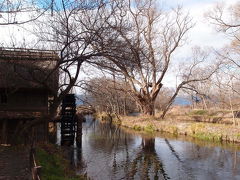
point(35, 169)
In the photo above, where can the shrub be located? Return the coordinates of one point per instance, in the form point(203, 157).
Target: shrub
point(149, 128)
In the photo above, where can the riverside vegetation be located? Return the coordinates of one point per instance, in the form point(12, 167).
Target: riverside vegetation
point(201, 124)
point(54, 163)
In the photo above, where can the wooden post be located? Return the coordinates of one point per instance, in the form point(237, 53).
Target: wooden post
point(35, 169)
point(52, 132)
point(79, 130)
point(4, 132)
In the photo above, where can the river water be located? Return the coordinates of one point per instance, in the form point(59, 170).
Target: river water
point(110, 152)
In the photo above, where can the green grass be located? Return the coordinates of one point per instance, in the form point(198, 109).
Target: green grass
point(208, 136)
point(197, 127)
point(199, 112)
point(54, 166)
point(137, 128)
point(238, 136)
point(174, 130)
point(149, 128)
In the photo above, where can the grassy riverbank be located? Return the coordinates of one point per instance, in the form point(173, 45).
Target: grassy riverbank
point(54, 165)
point(182, 125)
point(201, 130)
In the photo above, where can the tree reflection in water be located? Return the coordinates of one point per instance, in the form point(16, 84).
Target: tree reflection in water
point(146, 164)
point(173, 150)
point(143, 164)
point(110, 152)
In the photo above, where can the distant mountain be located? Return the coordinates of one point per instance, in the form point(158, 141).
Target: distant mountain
point(181, 101)
point(79, 99)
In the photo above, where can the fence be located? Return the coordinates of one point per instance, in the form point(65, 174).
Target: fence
point(35, 169)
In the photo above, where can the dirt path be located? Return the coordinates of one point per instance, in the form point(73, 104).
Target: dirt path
point(14, 163)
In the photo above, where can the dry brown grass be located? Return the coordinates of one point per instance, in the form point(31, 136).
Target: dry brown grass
point(201, 130)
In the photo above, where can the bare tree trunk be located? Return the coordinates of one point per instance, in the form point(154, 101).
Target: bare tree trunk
point(204, 103)
point(231, 106)
point(148, 144)
point(79, 131)
point(124, 106)
point(147, 107)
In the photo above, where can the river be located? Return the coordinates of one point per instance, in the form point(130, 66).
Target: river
point(110, 152)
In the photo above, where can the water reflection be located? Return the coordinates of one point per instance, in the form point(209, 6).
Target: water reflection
point(109, 152)
point(146, 164)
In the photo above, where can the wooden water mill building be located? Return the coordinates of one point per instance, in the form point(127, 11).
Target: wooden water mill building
point(28, 79)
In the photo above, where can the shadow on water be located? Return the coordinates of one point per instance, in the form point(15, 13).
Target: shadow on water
point(146, 164)
point(111, 152)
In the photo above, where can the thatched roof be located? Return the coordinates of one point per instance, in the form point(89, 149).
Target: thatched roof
point(28, 68)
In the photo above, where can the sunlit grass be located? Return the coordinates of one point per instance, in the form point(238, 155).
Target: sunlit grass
point(200, 130)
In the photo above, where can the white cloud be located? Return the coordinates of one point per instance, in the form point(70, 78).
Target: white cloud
point(203, 34)
point(17, 35)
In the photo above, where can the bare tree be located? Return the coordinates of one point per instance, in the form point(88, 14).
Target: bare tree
point(139, 43)
point(163, 98)
point(226, 19)
point(19, 12)
point(198, 69)
point(108, 95)
point(65, 33)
